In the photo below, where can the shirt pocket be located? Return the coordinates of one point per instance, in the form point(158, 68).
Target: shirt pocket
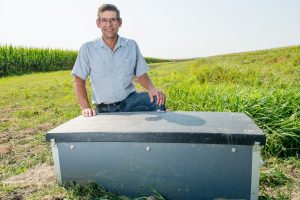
point(127, 68)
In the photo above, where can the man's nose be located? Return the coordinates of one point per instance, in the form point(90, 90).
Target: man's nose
point(108, 23)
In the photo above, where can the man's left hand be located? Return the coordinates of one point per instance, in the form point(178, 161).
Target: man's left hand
point(159, 96)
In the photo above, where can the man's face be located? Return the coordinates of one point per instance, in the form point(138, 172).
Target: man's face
point(109, 24)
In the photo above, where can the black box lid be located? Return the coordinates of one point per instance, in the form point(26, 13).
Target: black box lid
point(169, 127)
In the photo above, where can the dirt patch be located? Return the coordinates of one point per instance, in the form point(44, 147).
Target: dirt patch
point(295, 195)
point(5, 149)
point(9, 134)
point(12, 134)
point(290, 190)
point(4, 119)
point(294, 173)
point(30, 181)
point(18, 194)
point(37, 176)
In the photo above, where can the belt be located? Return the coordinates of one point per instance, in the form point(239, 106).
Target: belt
point(103, 105)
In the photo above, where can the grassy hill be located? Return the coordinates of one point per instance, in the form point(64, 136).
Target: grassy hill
point(263, 84)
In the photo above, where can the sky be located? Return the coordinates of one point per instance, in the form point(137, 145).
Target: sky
point(162, 28)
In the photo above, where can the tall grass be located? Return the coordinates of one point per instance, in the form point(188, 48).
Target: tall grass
point(277, 112)
point(264, 84)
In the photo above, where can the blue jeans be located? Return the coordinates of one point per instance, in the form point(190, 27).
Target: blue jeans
point(135, 102)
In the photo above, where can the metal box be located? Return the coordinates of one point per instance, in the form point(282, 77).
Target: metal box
point(182, 155)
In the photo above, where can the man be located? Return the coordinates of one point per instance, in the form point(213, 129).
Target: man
point(111, 61)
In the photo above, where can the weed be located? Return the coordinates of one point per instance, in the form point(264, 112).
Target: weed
point(273, 177)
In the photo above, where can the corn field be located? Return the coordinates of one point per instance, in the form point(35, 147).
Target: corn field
point(21, 60)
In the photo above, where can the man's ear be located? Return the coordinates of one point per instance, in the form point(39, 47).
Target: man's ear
point(120, 22)
point(98, 23)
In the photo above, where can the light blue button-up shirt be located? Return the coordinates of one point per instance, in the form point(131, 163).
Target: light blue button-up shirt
point(110, 71)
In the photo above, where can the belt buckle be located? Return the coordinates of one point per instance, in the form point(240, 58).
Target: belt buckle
point(111, 104)
point(116, 103)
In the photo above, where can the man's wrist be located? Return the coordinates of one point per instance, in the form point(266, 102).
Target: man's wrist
point(85, 107)
point(152, 89)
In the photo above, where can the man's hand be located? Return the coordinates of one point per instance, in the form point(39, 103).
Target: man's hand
point(160, 97)
point(146, 82)
point(81, 94)
point(88, 112)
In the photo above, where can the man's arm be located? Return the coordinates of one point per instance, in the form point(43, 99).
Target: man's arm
point(146, 82)
point(81, 94)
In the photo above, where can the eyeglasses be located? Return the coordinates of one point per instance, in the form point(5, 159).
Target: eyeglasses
point(108, 20)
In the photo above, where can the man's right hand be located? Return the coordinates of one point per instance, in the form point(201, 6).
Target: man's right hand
point(88, 112)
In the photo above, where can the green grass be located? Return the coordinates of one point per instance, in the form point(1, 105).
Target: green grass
point(31, 105)
point(263, 84)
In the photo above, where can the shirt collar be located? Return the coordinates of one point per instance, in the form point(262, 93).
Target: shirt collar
point(99, 43)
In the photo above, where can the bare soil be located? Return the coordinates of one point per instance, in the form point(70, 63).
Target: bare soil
point(30, 181)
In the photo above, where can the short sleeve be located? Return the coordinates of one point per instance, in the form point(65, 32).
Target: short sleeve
point(141, 65)
point(81, 67)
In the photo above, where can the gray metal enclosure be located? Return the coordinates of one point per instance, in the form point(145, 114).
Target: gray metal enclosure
point(183, 155)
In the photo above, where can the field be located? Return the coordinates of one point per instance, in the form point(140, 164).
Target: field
point(263, 84)
point(22, 60)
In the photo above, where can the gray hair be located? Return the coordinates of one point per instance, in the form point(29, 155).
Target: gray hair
point(106, 7)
